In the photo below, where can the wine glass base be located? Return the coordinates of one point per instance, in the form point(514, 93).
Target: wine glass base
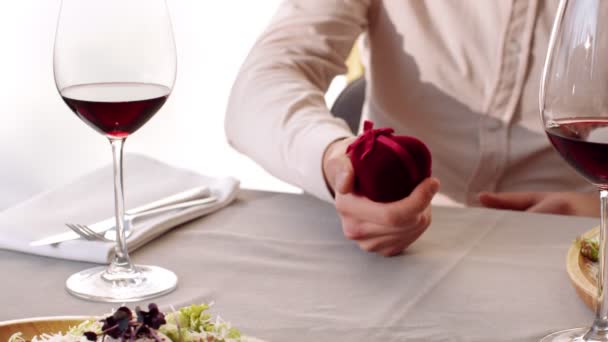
point(149, 282)
point(570, 335)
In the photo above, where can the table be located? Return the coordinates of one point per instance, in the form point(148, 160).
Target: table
point(278, 267)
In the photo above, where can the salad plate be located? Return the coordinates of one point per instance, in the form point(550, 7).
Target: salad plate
point(188, 324)
point(582, 269)
point(31, 327)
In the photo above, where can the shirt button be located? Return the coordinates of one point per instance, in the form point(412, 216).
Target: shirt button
point(492, 125)
point(514, 47)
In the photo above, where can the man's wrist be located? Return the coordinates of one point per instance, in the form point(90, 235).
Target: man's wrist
point(335, 149)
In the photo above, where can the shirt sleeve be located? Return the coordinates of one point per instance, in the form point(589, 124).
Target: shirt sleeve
point(276, 113)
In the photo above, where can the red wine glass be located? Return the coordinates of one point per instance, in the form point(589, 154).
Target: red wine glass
point(115, 65)
point(574, 110)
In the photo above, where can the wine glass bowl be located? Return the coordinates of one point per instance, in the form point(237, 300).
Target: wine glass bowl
point(114, 65)
point(115, 109)
point(574, 113)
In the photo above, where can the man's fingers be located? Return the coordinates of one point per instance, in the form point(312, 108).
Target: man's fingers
point(552, 206)
point(548, 207)
point(396, 249)
point(360, 207)
point(355, 229)
point(390, 245)
point(419, 199)
point(398, 213)
point(509, 200)
point(378, 243)
point(568, 203)
point(351, 228)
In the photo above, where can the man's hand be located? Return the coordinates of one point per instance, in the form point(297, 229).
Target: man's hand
point(563, 203)
point(383, 228)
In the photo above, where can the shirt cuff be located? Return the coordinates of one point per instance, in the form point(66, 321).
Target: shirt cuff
point(310, 161)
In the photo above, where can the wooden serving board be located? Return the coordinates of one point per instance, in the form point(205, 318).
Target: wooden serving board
point(583, 272)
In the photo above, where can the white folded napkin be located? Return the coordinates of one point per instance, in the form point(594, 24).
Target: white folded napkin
point(90, 199)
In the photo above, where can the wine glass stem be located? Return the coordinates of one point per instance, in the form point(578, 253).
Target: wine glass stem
point(121, 266)
point(599, 330)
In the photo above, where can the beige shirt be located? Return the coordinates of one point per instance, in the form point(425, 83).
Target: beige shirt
point(463, 76)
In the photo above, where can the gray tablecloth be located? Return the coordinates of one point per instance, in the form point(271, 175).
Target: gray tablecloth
point(278, 267)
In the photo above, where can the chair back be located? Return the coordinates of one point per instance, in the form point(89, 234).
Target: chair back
point(349, 104)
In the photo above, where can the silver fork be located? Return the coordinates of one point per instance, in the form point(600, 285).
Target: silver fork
point(110, 235)
point(89, 234)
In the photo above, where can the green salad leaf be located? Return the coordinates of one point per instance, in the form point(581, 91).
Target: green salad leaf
point(589, 248)
point(192, 323)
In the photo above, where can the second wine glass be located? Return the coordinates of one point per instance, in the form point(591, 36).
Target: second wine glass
point(115, 65)
point(574, 110)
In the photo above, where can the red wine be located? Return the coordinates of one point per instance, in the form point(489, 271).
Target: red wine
point(583, 143)
point(115, 109)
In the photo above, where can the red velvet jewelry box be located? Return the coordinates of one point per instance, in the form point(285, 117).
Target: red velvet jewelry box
point(388, 167)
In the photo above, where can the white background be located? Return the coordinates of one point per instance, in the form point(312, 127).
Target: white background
point(43, 145)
